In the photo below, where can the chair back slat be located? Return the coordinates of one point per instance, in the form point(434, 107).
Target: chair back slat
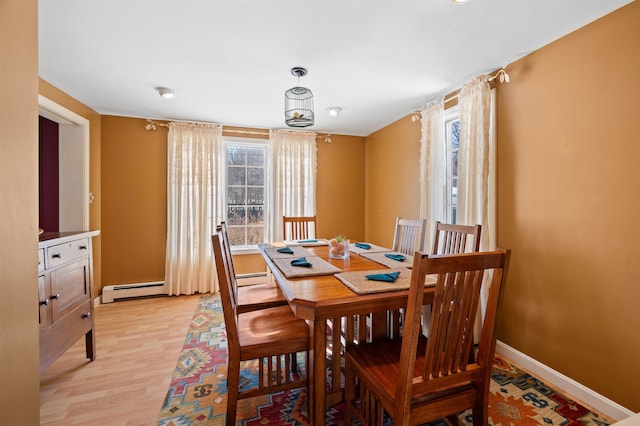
point(226, 251)
point(299, 228)
point(453, 316)
point(409, 235)
point(229, 305)
point(451, 238)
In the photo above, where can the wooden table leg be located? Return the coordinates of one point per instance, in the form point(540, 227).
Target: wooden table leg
point(317, 372)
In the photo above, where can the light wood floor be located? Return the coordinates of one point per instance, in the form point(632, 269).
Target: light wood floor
point(138, 342)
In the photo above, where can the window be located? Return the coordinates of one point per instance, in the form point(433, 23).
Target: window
point(452, 136)
point(245, 192)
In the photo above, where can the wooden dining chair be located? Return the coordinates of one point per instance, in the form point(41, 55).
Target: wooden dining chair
point(409, 235)
point(298, 228)
point(249, 297)
point(449, 238)
point(268, 336)
point(415, 379)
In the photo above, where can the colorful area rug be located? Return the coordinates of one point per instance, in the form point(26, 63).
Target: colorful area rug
point(197, 395)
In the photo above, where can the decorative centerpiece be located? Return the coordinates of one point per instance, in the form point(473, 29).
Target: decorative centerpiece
point(339, 247)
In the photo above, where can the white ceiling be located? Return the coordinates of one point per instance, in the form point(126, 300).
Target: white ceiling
point(229, 61)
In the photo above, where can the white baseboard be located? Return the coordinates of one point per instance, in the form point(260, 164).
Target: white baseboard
point(564, 383)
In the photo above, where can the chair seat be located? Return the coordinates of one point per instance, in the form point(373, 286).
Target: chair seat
point(259, 296)
point(380, 360)
point(271, 331)
point(378, 363)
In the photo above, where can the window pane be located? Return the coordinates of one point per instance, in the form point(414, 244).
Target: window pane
point(236, 216)
point(454, 191)
point(255, 196)
point(236, 155)
point(454, 164)
point(236, 235)
point(235, 195)
point(255, 176)
point(236, 176)
point(255, 157)
point(255, 235)
point(455, 137)
point(255, 216)
point(455, 134)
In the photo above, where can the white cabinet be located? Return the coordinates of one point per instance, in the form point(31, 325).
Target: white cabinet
point(65, 281)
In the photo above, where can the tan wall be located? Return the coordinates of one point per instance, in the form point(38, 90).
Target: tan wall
point(134, 211)
point(134, 193)
point(393, 179)
point(95, 215)
point(568, 200)
point(19, 393)
point(340, 198)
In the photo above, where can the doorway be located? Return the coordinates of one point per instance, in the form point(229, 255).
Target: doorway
point(73, 166)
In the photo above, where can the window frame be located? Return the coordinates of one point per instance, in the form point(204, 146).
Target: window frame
point(248, 143)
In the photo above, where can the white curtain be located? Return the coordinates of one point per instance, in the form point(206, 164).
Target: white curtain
point(477, 160)
point(292, 178)
point(195, 205)
point(433, 176)
point(477, 165)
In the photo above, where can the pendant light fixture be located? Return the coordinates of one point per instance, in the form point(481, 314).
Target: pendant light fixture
point(298, 103)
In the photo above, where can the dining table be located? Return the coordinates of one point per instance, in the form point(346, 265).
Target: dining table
point(336, 314)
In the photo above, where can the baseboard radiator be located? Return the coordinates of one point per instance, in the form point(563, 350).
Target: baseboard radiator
point(249, 279)
point(111, 293)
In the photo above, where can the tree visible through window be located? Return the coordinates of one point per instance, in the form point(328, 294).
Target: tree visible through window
point(245, 193)
point(452, 133)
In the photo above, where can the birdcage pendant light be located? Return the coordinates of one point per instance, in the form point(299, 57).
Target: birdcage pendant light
point(298, 103)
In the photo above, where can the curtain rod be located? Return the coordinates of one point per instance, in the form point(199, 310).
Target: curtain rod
point(501, 75)
point(152, 125)
point(245, 132)
point(452, 97)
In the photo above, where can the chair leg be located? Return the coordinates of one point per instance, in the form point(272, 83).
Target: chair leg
point(233, 382)
point(349, 393)
point(481, 414)
point(294, 362)
point(453, 419)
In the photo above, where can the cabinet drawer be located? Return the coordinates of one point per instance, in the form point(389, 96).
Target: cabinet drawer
point(55, 340)
point(40, 260)
point(67, 252)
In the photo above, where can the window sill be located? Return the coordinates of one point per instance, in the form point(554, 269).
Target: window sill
point(244, 250)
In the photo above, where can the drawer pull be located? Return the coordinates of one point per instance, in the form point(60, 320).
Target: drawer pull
point(44, 302)
point(82, 247)
point(55, 296)
point(87, 315)
point(56, 256)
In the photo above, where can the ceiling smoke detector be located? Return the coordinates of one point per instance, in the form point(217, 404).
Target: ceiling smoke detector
point(166, 92)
